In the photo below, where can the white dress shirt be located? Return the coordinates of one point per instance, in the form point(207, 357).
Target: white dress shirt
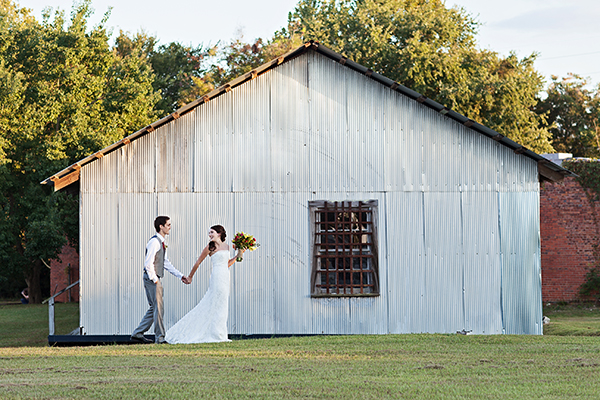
point(152, 248)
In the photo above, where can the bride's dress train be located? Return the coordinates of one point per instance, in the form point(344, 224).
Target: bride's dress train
point(207, 322)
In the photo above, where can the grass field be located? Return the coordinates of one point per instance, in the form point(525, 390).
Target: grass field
point(27, 325)
point(573, 320)
point(320, 367)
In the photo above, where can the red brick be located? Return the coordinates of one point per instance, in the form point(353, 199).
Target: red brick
point(568, 230)
point(63, 273)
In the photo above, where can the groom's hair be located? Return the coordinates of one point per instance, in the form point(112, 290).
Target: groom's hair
point(161, 220)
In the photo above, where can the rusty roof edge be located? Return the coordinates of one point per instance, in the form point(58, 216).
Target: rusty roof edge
point(316, 46)
point(182, 111)
point(444, 110)
point(110, 148)
point(245, 77)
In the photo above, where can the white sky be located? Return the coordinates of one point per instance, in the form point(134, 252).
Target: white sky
point(566, 33)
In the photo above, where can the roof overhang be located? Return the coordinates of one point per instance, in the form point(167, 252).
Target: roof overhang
point(547, 170)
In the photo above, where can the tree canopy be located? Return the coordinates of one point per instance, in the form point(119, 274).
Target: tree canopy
point(573, 113)
point(64, 93)
point(432, 50)
point(179, 71)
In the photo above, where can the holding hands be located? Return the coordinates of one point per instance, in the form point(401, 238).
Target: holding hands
point(186, 280)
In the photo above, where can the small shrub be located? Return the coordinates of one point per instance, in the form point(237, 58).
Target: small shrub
point(591, 286)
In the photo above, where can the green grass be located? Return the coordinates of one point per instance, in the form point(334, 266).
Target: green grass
point(328, 367)
point(27, 325)
point(572, 320)
point(320, 367)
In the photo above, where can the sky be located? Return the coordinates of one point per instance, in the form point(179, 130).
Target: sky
point(565, 33)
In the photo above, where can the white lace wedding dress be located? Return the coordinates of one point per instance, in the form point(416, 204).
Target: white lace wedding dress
point(207, 322)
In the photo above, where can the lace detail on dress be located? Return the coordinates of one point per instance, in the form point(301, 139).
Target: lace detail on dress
point(207, 322)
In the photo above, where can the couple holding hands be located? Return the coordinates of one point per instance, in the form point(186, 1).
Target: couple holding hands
point(207, 321)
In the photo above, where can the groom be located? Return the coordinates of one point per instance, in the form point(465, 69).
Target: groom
point(155, 263)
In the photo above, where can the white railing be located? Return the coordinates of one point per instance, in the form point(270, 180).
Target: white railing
point(50, 302)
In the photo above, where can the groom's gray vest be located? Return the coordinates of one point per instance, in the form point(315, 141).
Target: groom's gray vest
point(159, 259)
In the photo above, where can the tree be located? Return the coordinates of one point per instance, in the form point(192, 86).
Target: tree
point(179, 70)
point(64, 93)
point(573, 113)
point(239, 57)
point(420, 44)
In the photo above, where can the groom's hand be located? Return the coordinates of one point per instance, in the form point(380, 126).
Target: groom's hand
point(185, 280)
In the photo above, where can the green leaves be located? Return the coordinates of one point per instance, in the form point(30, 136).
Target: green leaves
point(64, 93)
point(573, 112)
point(177, 71)
point(432, 49)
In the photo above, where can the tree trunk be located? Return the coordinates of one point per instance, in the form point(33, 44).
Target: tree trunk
point(35, 290)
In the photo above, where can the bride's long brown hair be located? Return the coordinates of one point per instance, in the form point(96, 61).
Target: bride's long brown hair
point(212, 246)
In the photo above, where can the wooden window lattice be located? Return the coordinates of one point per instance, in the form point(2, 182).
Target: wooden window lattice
point(345, 249)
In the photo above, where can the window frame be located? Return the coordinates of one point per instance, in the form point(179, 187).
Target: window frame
point(371, 206)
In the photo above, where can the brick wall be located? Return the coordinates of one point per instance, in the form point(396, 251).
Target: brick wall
point(63, 273)
point(568, 229)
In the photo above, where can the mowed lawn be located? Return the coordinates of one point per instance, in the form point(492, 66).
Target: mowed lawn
point(420, 366)
point(27, 325)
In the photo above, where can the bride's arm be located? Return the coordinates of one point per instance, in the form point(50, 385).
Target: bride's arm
point(232, 261)
point(198, 262)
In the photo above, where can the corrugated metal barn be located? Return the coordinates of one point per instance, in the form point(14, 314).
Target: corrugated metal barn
point(378, 210)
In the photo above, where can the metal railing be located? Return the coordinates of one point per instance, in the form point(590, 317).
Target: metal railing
point(50, 302)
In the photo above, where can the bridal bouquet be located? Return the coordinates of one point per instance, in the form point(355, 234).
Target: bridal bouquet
point(243, 241)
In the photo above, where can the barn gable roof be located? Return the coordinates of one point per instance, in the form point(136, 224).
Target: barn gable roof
point(547, 170)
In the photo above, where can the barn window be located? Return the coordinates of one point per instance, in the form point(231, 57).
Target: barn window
point(344, 248)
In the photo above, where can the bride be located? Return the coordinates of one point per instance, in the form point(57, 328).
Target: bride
point(207, 322)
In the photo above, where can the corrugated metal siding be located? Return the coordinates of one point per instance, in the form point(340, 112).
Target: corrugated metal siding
point(251, 150)
point(443, 303)
point(516, 172)
point(175, 155)
point(404, 156)
point(482, 262)
point(328, 132)
point(136, 168)
point(457, 286)
point(521, 270)
point(253, 281)
point(290, 126)
point(130, 169)
point(101, 176)
point(406, 262)
point(480, 164)
point(99, 274)
point(312, 129)
point(292, 265)
point(214, 164)
point(366, 133)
